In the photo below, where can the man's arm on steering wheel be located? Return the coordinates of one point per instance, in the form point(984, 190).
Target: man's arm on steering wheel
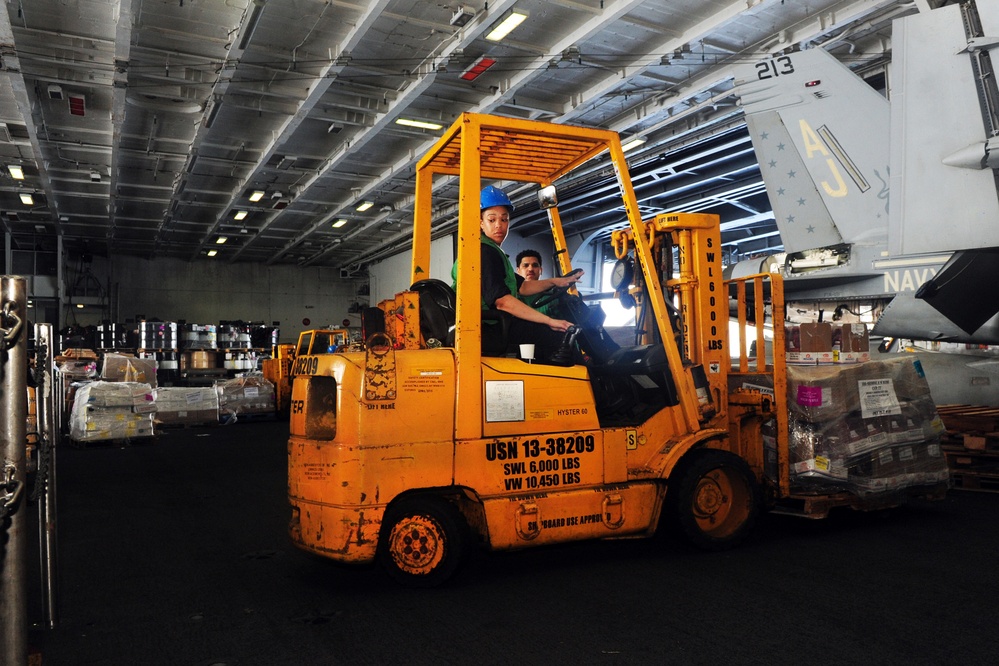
point(532, 287)
point(514, 306)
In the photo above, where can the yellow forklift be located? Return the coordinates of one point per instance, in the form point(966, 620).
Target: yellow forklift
point(420, 445)
point(280, 369)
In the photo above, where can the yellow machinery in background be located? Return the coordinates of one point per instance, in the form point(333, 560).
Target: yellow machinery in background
point(419, 444)
point(279, 369)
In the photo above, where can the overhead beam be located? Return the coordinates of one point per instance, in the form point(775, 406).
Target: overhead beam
point(12, 70)
point(316, 92)
point(473, 30)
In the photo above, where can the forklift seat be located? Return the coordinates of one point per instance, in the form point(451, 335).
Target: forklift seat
point(437, 304)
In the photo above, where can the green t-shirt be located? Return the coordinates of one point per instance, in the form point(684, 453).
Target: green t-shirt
point(498, 276)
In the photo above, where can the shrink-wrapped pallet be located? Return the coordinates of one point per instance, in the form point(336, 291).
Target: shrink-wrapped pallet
point(866, 428)
point(112, 410)
point(187, 405)
point(249, 394)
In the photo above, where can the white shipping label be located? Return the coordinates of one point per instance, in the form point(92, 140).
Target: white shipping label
point(504, 401)
point(877, 398)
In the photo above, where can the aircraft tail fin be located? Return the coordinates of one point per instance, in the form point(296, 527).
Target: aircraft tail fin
point(821, 135)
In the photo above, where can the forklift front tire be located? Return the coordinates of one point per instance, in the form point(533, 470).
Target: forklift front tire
point(714, 499)
point(423, 541)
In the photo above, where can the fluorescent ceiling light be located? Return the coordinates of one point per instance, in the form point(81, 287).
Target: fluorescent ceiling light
point(422, 124)
point(339, 223)
point(506, 26)
point(240, 215)
point(221, 239)
point(212, 253)
point(15, 172)
point(27, 199)
point(631, 144)
point(257, 195)
point(365, 206)
point(79, 305)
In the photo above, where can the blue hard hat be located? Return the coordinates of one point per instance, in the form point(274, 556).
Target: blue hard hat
point(494, 196)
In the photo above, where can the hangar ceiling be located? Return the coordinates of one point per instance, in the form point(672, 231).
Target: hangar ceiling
point(142, 127)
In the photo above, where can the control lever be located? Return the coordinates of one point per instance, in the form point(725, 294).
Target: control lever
point(563, 355)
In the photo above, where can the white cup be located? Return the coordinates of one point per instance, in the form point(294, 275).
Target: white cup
point(527, 352)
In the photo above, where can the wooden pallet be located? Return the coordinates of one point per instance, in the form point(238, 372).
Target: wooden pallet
point(117, 443)
point(968, 480)
point(248, 417)
point(971, 446)
point(819, 506)
point(970, 419)
point(181, 425)
point(962, 459)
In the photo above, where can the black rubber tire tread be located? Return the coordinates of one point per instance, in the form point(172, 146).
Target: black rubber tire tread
point(450, 528)
point(680, 499)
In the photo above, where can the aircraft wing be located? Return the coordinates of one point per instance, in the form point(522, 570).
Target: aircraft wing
point(965, 290)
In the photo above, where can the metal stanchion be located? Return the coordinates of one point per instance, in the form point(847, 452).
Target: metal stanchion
point(13, 435)
point(45, 486)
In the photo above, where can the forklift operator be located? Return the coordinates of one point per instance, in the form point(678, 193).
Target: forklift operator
point(528, 266)
point(501, 285)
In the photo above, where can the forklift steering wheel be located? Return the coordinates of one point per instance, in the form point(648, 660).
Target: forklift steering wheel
point(549, 295)
point(552, 294)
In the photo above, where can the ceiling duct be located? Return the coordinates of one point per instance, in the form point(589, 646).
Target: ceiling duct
point(213, 112)
point(251, 23)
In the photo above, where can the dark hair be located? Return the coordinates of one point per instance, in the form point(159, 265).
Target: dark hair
point(529, 253)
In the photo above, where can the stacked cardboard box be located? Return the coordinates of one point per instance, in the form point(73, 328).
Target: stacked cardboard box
point(112, 410)
point(249, 394)
point(825, 343)
point(122, 368)
point(187, 405)
point(866, 428)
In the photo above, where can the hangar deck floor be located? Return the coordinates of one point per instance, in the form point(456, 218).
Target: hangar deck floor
point(174, 552)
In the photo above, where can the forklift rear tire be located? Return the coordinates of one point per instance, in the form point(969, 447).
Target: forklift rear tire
point(423, 541)
point(714, 499)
